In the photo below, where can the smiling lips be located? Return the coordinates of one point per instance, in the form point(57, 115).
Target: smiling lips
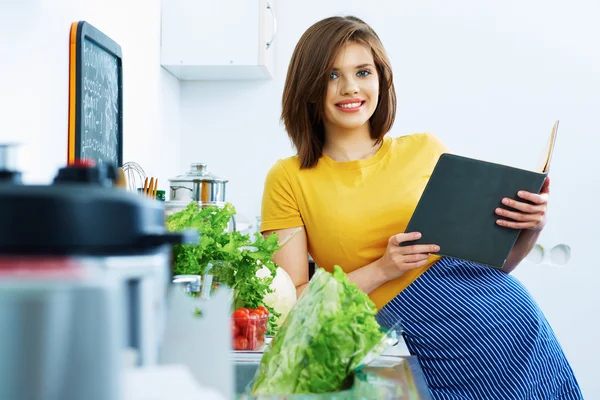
point(350, 106)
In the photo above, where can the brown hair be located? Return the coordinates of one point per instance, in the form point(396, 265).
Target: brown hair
point(308, 75)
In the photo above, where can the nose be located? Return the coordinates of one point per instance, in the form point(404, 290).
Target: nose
point(348, 86)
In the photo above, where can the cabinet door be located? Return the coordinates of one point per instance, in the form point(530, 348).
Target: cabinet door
point(225, 39)
point(266, 37)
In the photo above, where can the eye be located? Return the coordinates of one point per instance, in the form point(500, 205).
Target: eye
point(333, 75)
point(363, 73)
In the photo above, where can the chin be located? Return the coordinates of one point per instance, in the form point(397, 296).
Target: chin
point(352, 124)
point(351, 127)
point(349, 122)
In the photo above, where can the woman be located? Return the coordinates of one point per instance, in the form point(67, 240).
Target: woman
point(351, 189)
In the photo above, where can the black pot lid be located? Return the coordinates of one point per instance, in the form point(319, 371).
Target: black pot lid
point(81, 214)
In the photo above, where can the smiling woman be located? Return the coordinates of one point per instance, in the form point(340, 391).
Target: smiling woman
point(351, 189)
point(353, 69)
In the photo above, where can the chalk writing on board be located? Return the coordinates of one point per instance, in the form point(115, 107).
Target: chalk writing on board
point(100, 113)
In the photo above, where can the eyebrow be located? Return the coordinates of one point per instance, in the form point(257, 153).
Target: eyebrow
point(357, 67)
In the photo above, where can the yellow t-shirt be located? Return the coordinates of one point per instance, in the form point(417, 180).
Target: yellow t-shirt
point(350, 209)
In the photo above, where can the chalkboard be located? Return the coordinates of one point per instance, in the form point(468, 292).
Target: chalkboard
point(95, 97)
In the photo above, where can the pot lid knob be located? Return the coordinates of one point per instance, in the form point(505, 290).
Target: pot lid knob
point(198, 172)
point(198, 168)
point(85, 171)
point(8, 163)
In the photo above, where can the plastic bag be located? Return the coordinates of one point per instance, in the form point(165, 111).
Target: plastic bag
point(330, 333)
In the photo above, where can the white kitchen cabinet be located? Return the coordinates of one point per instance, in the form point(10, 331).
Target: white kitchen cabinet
point(218, 39)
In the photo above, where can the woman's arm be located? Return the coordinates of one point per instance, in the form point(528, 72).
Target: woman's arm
point(293, 258)
point(523, 245)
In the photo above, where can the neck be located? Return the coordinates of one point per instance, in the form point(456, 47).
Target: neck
point(349, 145)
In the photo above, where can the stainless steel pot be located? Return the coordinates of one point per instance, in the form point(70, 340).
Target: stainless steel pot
point(198, 185)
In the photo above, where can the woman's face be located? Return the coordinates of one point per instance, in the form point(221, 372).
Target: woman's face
point(353, 88)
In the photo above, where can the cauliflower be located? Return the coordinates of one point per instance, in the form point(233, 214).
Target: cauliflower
point(283, 297)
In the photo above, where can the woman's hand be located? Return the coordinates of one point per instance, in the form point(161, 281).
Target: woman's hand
point(399, 259)
point(526, 215)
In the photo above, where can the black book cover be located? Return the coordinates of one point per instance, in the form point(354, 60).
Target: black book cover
point(457, 208)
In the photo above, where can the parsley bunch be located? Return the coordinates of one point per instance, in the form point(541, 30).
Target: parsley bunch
point(246, 257)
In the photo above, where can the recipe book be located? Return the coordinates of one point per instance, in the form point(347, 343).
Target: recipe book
point(457, 208)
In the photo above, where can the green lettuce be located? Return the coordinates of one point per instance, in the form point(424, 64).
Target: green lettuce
point(329, 331)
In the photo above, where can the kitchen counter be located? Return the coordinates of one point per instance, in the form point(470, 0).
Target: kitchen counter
point(417, 379)
point(388, 370)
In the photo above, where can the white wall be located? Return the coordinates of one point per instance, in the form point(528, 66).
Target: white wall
point(34, 82)
point(466, 67)
point(489, 78)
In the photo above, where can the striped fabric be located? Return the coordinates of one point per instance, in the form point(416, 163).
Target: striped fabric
point(479, 335)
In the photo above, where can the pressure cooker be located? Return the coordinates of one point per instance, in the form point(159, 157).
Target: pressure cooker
point(84, 273)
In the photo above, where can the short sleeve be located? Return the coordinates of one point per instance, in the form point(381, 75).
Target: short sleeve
point(436, 146)
point(279, 206)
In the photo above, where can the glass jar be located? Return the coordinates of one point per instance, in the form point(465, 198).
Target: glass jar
point(216, 274)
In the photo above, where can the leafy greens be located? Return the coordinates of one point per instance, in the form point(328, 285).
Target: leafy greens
point(244, 256)
point(329, 331)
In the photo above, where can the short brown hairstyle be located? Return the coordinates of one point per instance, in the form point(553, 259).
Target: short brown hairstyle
point(308, 75)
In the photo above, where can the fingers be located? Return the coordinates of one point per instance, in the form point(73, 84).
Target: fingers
point(520, 220)
point(534, 215)
point(403, 237)
point(524, 215)
point(414, 265)
point(409, 261)
point(539, 202)
point(396, 240)
point(420, 249)
point(541, 198)
point(414, 258)
point(519, 225)
point(411, 256)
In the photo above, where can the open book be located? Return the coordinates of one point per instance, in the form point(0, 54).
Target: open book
point(457, 208)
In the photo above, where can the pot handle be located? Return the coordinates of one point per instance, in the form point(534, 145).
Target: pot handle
point(182, 187)
point(188, 236)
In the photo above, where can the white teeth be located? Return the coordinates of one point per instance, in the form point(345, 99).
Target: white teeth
point(350, 105)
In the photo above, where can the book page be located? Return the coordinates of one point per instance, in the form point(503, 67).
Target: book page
point(546, 157)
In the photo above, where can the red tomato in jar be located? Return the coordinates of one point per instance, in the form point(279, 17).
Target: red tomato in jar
point(253, 319)
point(240, 343)
point(242, 310)
point(242, 331)
point(259, 315)
point(240, 318)
point(263, 310)
point(252, 337)
point(234, 329)
point(261, 329)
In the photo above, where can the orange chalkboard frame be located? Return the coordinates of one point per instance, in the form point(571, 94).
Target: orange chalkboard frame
point(80, 31)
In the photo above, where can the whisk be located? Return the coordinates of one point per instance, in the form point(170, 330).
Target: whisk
point(135, 175)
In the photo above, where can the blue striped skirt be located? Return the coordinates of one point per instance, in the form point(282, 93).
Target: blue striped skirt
point(478, 334)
